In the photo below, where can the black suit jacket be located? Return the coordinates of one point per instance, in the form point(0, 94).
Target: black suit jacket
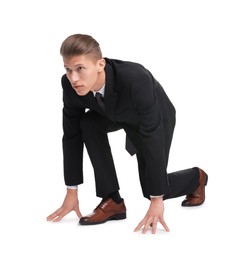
point(134, 100)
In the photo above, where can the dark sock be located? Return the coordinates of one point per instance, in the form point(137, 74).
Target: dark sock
point(115, 196)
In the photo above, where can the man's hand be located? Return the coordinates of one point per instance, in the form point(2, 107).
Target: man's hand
point(70, 204)
point(153, 216)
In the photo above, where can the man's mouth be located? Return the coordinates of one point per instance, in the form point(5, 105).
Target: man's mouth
point(77, 86)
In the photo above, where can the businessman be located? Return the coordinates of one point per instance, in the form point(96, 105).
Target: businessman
point(101, 95)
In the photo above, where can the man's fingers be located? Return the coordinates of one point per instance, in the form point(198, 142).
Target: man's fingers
point(50, 217)
point(145, 228)
point(78, 213)
point(61, 215)
point(58, 215)
point(154, 226)
point(139, 226)
point(54, 214)
point(164, 225)
point(146, 224)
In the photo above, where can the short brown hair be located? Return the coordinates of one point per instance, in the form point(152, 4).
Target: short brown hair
point(80, 44)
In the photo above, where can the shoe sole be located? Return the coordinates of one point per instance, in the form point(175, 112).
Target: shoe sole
point(114, 217)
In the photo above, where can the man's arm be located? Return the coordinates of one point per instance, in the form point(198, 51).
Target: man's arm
point(152, 135)
point(151, 132)
point(72, 139)
point(73, 156)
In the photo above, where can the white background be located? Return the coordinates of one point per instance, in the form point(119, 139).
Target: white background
point(200, 52)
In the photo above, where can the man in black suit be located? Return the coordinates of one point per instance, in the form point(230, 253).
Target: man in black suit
point(101, 95)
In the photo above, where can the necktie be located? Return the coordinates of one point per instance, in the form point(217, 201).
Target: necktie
point(129, 145)
point(100, 100)
point(130, 148)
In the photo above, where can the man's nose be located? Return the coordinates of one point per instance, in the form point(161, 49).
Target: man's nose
point(74, 77)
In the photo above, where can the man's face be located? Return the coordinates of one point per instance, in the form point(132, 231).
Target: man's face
point(84, 73)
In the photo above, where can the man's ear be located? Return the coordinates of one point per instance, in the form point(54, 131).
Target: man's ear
point(101, 65)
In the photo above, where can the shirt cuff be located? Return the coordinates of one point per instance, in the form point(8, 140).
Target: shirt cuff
point(158, 196)
point(74, 187)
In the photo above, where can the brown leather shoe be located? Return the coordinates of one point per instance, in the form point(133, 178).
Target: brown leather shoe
point(198, 196)
point(106, 210)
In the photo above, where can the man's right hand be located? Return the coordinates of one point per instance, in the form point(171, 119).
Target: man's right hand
point(70, 204)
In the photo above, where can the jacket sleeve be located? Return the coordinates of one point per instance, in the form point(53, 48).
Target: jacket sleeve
point(72, 141)
point(151, 132)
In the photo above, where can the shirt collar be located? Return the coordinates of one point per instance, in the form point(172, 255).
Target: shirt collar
point(101, 91)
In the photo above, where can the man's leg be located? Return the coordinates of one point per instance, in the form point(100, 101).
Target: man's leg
point(182, 182)
point(94, 132)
